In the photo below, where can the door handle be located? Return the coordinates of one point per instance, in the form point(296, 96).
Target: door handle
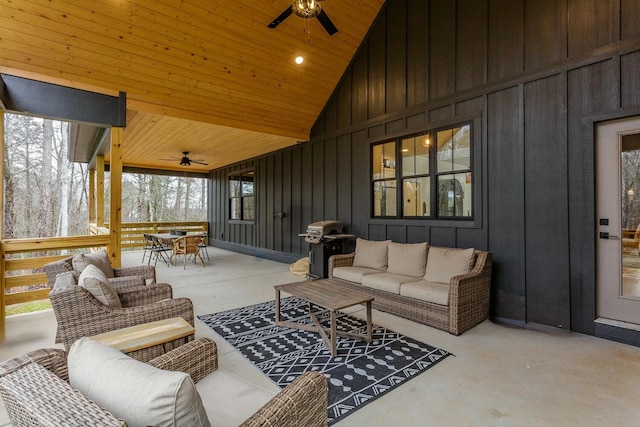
point(605, 235)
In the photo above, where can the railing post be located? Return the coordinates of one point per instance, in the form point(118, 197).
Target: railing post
point(2, 265)
point(115, 202)
point(100, 191)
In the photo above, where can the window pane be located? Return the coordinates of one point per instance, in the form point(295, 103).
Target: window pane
point(454, 195)
point(461, 148)
point(384, 198)
point(408, 157)
point(384, 160)
point(234, 186)
point(416, 199)
point(415, 156)
point(247, 183)
point(248, 208)
point(235, 208)
point(445, 150)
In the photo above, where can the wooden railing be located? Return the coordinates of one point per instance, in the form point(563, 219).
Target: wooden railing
point(21, 260)
point(132, 235)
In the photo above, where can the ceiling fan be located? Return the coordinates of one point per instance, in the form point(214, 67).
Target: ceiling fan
point(306, 9)
point(185, 160)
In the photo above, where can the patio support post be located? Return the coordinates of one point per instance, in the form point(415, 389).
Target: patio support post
point(115, 201)
point(3, 280)
point(92, 196)
point(100, 191)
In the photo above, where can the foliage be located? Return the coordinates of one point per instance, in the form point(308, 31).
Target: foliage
point(28, 307)
point(46, 195)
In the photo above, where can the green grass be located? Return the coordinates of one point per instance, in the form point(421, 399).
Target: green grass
point(28, 307)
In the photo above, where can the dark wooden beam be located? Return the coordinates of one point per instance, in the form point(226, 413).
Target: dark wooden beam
point(31, 97)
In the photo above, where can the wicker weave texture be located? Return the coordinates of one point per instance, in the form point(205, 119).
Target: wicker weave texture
point(79, 315)
point(27, 403)
point(301, 403)
point(36, 397)
point(198, 359)
point(468, 297)
point(147, 272)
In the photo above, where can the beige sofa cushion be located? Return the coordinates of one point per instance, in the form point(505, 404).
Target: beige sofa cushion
point(445, 263)
point(437, 293)
point(387, 281)
point(100, 259)
point(94, 280)
point(409, 259)
point(139, 393)
point(371, 254)
point(229, 400)
point(353, 274)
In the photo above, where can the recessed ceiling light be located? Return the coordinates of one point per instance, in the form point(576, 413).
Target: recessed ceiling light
point(299, 60)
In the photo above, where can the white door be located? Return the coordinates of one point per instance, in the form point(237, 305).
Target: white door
point(618, 221)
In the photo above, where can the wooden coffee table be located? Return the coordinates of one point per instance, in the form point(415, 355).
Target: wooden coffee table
point(331, 296)
point(146, 335)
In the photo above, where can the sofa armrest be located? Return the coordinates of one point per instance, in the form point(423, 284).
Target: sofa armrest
point(147, 272)
point(342, 260)
point(53, 359)
point(197, 358)
point(33, 396)
point(301, 403)
point(469, 295)
point(141, 295)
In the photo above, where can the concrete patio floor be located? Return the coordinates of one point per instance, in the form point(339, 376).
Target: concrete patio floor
point(500, 375)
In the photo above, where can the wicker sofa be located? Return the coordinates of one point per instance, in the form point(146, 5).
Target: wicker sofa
point(37, 391)
point(446, 288)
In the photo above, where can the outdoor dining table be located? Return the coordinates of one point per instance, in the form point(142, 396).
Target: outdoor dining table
point(169, 238)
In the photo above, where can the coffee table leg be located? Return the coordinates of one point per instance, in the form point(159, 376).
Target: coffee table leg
point(277, 306)
point(334, 350)
point(369, 334)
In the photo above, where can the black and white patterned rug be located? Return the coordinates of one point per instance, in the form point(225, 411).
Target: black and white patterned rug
point(359, 374)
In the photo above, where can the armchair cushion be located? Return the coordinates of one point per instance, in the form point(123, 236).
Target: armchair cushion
point(229, 399)
point(64, 280)
point(95, 281)
point(100, 259)
point(371, 254)
point(445, 263)
point(139, 393)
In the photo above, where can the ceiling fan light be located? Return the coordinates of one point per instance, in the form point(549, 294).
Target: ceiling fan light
point(306, 8)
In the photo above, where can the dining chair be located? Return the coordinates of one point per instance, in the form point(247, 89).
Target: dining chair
point(203, 245)
point(148, 247)
point(185, 246)
point(160, 251)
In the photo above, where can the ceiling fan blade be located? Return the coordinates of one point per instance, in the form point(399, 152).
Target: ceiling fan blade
point(326, 23)
point(284, 15)
point(199, 162)
point(173, 159)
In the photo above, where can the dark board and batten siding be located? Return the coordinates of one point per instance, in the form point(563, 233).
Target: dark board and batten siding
point(534, 76)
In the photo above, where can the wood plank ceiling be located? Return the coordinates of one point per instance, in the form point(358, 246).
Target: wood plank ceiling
point(206, 77)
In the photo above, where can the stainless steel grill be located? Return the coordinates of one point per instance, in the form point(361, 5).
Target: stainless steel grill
point(325, 238)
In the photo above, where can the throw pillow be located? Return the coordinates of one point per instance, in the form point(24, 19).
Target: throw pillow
point(409, 259)
point(94, 280)
point(445, 263)
point(100, 259)
point(139, 393)
point(64, 280)
point(371, 254)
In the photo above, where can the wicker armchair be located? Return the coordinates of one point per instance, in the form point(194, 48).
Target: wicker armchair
point(36, 391)
point(123, 275)
point(80, 314)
